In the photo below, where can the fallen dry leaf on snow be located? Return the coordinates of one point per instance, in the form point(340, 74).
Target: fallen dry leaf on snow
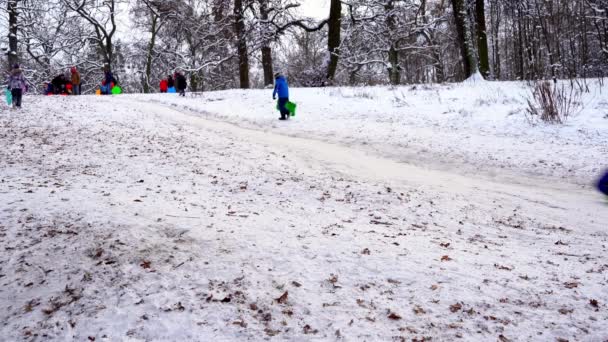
point(455, 307)
point(283, 298)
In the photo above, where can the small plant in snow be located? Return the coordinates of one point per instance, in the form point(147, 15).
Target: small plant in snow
point(357, 93)
point(553, 104)
point(366, 94)
point(400, 99)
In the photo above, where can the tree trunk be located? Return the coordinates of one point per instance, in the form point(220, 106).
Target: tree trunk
point(13, 56)
point(149, 56)
point(194, 81)
point(109, 55)
point(267, 65)
point(482, 38)
point(465, 38)
point(241, 44)
point(334, 25)
point(495, 24)
point(394, 71)
point(266, 49)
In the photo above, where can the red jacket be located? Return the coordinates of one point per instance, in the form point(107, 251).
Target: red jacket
point(163, 85)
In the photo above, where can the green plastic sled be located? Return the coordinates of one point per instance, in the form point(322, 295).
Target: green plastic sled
point(9, 97)
point(116, 90)
point(291, 107)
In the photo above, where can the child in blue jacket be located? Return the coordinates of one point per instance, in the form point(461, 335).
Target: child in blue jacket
point(282, 89)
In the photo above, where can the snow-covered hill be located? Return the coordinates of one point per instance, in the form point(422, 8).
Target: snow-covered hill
point(122, 219)
point(476, 127)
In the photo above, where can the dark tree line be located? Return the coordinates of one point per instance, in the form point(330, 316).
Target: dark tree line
point(241, 43)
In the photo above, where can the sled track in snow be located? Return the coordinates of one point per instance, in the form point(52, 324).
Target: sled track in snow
point(565, 197)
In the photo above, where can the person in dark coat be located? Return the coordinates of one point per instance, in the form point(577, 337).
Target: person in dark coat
point(281, 88)
point(602, 184)
point(59, 84)
point(181, 84)
point(108, 81)
point(170, 82)
point(48, 88)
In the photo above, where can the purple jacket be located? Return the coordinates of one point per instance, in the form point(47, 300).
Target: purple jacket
point(16, 80)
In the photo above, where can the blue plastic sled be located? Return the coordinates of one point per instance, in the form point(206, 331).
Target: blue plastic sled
point(171, 90)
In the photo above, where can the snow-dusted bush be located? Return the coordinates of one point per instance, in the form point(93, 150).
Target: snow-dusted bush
point(553, 104)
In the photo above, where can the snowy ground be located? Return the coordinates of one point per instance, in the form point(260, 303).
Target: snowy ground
point(465, 128)
point(124, 220)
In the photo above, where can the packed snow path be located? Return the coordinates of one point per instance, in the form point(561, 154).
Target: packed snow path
point(125, 220)
point(463, 128)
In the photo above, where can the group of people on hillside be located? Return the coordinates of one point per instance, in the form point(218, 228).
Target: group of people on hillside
point(174, 84)
point(62, 85)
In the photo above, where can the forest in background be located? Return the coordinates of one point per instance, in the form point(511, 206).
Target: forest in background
point(221, 44)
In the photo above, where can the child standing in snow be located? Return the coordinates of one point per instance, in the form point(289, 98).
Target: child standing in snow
point(170, 82)
point(164, 86)
point(17, 85)
point(75, 81)
point(108, 80)
point(282, 89)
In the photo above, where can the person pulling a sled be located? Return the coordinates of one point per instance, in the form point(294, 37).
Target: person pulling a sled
point(281, 88)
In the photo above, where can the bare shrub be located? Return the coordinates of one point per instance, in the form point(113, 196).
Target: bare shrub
point(553, 104)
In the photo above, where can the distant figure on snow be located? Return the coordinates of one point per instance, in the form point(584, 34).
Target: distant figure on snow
point(602, 184)
point(48, 88)
point(75, 81)
point(59, 85)
point(281, 88)
point(108, 81)
point(164, 86)
point(17, 85)
point(170, 84)
point(181, 84)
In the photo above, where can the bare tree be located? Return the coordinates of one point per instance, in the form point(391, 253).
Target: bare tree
point(334, 29)
point(482, 38)
point(465, 38)
point(241, 36)
point(13, 28)
point(101, 15)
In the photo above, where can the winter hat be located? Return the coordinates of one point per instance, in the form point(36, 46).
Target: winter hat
point(277, 75)
point(73, 70)
point(16, 66)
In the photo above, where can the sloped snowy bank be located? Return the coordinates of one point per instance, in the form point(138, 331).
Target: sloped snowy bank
point(474, 127)
point(122, 220)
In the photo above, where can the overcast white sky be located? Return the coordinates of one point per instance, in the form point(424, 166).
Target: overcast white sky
point(315, 8)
